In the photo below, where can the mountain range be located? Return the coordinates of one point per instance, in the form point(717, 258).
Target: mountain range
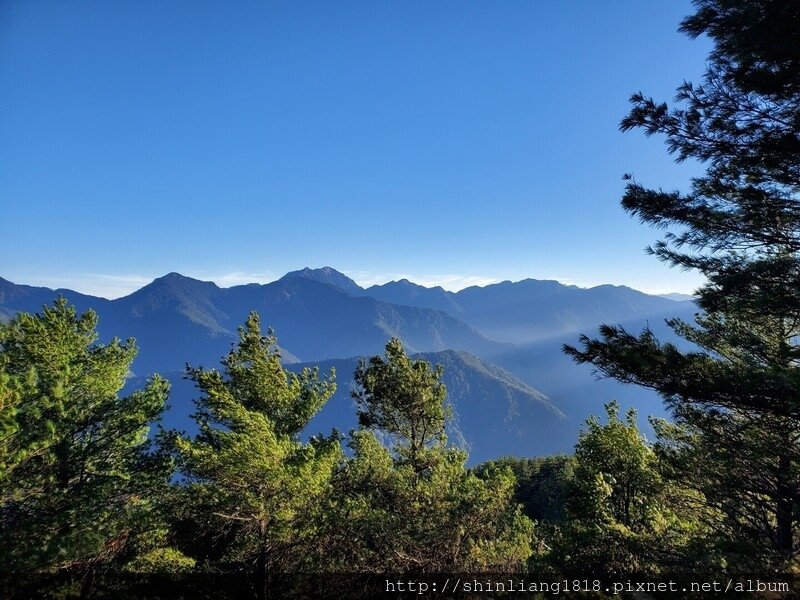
point(494, 414)
point(499, 344)
point(529, 310)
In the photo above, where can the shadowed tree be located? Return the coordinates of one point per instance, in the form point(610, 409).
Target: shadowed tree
point(739, 226)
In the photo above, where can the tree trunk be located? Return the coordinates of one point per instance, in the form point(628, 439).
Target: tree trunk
point(783, 510)
point(261, 563)
point(87, 581)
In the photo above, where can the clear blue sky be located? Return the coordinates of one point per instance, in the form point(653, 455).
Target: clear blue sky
point(448, 142)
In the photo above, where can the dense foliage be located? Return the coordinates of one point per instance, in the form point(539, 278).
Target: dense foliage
point(83, 487)
point(79, 479)
point(250, 485)
point(415, 506)
point(86, 485)
point(735, 394)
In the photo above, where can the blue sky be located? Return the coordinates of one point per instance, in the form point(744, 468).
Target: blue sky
point(447, 142)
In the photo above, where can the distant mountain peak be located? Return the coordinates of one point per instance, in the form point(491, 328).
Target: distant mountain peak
point(678, 297)
point(400, 283)
point(308, 271)
point(415, 286)
point(174, 276)
point(180, 288)
point(175, 280)
point(403, 283)
point(611, 286)
point(327, 275)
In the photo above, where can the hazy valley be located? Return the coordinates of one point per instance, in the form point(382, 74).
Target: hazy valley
point(512, 390)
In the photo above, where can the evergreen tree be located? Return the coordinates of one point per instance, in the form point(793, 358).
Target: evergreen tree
point(616, 473)
point(404, 398)
point(622, 518)
point(251, 485)
point(744, 466)
point(740, 227)
point(9, 458)
point(542, 485)
point(415, 506)
point(78, 477)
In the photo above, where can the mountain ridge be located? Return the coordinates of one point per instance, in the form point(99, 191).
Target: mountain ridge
point(506, 312)
point(177, 320)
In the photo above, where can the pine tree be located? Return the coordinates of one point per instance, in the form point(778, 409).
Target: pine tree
point(740, 227)
point(78, 475)
point(614, 457)
point(9, 452)
point(415, 506)
point(733, 461)
point(622, 517)
point(406, 399)
point(251, 485)
point(542, 485)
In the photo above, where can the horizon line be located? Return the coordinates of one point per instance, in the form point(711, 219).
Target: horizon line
point(114, 287)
